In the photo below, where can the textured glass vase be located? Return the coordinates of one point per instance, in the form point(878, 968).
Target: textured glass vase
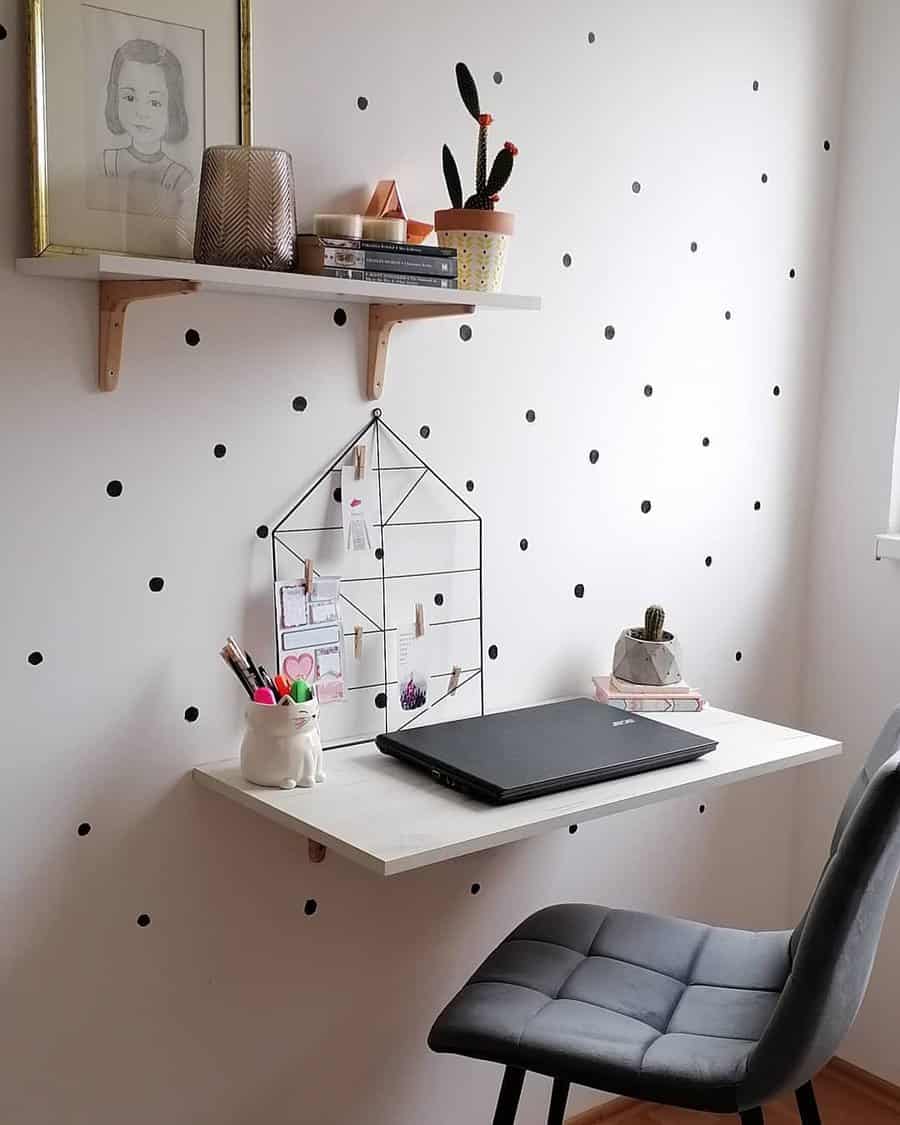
point(246, 212)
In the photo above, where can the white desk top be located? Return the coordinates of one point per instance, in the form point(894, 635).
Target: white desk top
point(390, 817)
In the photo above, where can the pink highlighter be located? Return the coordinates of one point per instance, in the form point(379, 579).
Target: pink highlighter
point(264, 695)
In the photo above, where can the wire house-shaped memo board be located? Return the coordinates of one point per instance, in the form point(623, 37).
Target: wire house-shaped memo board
point(427, 548)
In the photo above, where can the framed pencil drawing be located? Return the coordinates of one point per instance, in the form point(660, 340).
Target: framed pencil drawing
point(124, 95)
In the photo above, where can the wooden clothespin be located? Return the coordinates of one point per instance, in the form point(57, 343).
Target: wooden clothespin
point(454, 679)
point(357, 641)
point(309, 577)
point(359, 461)
point(420, 620)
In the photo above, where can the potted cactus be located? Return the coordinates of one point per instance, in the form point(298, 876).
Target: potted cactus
point(477, 231)
point(650, 655)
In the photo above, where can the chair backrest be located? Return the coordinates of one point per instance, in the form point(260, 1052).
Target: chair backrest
point(833, 949)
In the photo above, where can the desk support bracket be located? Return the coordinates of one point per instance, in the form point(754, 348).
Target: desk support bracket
point(382, 319)
point(114, 299)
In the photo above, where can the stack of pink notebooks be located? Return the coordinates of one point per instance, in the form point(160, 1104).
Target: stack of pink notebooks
point(647, 697)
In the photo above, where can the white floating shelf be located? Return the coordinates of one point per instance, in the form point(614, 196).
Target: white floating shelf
point(390, 818)
point(124, 279)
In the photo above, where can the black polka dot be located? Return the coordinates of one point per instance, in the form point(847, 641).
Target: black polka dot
point(338, 495)
point(114, 488)
point(498, 77)
point(362, 103)
point(3, 32)
point(530, 415)
point(708, 560)
point(573, 828)
point(728, 314)
point(579, 590)
point(705, 443)
point(493, 652)
point(381, 701)
point(776, 390)
point(592, 38)
point(156, 584)
point(424, 431)
point(438, 599)
point(191, 714)
point(379, 553)
point(609, 332)
point(262, 532)
point(470, 486)
point(636, 187)
point(648, 390)
point(35, 658)
point(310, 907)
point(83, 829)
point(299, 403)
point(475, 888)
point(756, 505)
point(827, 146)
point(567, 260)
point(701, 809)
point(594, 456)
point(764, 178)
point(192, 337)
point(523, 544)
point(693, 247)
point(143, 920)
point(340, 317)
point(739, 656)
point(755, 84)
point(646, 506)
point(792, 273)
point(219, 450)
point(465, 332)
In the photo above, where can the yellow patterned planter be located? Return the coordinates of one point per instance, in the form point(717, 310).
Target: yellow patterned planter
point(480, 239)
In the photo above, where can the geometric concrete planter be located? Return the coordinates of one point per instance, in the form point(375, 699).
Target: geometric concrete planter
point(637, 661)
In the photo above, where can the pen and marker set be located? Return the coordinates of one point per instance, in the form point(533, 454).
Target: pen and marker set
point(256, 681)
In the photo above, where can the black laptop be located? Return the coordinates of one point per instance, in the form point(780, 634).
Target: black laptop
point(517, 754)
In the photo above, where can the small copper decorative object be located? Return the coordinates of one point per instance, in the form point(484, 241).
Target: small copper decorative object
point(246, 212)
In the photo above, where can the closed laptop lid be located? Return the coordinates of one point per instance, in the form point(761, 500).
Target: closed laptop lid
point(537, 747)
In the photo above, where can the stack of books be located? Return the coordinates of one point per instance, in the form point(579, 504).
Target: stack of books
point(362, 259)
point(647, 697)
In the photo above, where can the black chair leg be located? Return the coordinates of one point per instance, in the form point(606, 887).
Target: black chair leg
point(558, 1099)
point(510, 1092)
point(753, 1117)
point(806, 1103)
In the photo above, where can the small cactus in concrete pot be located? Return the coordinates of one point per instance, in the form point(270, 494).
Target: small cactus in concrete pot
point(650, 655)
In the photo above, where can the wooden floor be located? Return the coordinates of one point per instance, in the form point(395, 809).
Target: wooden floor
point(846, 1096)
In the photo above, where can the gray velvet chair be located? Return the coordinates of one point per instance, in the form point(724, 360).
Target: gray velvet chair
point(684, 1014)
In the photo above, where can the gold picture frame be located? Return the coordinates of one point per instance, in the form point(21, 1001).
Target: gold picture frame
point(42, 242)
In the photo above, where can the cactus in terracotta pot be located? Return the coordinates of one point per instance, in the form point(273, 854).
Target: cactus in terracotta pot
point(487, 186)
point(650, 655)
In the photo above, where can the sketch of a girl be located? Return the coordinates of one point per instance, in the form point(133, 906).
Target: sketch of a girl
point(145, 100)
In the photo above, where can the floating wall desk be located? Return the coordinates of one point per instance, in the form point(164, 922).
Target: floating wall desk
point(391, 818)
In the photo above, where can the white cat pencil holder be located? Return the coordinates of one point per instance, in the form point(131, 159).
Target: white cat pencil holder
point(282, 746)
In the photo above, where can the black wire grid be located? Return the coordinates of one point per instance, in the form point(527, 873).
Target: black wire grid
point(467, 675)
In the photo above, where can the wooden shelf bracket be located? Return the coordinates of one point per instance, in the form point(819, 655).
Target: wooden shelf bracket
point(114, 299)
point(382, 319)
point(317, 852)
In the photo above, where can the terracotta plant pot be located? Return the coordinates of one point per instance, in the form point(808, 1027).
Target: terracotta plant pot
point(480, 239)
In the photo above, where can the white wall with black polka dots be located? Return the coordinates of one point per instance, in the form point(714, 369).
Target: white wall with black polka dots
point(649, 435)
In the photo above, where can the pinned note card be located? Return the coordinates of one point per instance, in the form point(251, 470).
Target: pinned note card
point(412, 667)
point(359, 508)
